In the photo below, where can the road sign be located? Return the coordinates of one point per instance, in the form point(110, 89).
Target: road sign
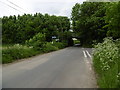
point(54, 37)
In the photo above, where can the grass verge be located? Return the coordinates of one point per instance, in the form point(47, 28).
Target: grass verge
point(106, 59)
point(17, 51)
point(12, 53)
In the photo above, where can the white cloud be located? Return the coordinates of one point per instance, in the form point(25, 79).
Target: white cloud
point(56, 7)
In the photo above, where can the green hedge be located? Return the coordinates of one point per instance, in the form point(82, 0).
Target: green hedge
point(48, 47)
point(17, 51)
point(106, 59)
point(37, 41)
point(10, 54)
point(59, 45)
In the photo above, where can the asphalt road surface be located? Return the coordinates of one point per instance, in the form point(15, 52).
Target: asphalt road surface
point(66, 68)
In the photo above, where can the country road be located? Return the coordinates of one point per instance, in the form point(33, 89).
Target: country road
point(66, 68)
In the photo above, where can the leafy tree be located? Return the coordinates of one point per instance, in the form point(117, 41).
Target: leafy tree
point(37, 41)
point(0, 30)
point(88, 21)
point(76, 10)
point(113, 19)
point(18, 29)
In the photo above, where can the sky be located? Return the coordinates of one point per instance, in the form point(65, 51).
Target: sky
point(52, 7)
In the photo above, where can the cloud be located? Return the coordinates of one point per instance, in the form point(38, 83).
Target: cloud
point(52, 7)
point(66, 9)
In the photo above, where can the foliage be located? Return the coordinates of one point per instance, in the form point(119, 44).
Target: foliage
point(59, 45)
point(76, 42)
point(66, 38)
point(113, 19)
point(106, 60)
point(37, 41)
point(12, 53)
point(93, 21)
point(18, 29)
point(48, 47)
point(33, 31)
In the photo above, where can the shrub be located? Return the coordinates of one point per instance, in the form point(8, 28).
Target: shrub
point(59, 45)
point(106, 59)
point(37, 41)
point(10, 54)
point(76, 42)
point(49, 47)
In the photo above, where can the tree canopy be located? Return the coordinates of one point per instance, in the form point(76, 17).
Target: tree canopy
point(93, 21)
point(18, 29)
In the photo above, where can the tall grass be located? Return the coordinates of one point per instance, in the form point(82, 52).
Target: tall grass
point(33, 46)
point(12, 53)
point(106, 59)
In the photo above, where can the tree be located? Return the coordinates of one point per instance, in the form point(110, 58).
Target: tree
point(113, 19)
point(18, 29)
point(88, 21)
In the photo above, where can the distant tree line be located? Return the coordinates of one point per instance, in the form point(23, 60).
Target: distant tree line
point(18, 29)
point(93, 21)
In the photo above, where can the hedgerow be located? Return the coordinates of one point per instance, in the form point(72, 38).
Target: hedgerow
point(12, 53)
point(106, 59)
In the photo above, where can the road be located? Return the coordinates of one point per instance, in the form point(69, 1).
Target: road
point(66, 68)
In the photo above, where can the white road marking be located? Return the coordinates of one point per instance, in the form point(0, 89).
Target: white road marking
point(88, 54)
point(84, 54)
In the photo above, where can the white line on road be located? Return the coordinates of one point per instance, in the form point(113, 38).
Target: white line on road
point(88, 54)
point(84, 54)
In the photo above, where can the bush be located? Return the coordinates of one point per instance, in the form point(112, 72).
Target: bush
point(59, 45)
point(10, 54)
point(76, 42)
point(37, 41)
point(106, 60)
point(48, 47)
